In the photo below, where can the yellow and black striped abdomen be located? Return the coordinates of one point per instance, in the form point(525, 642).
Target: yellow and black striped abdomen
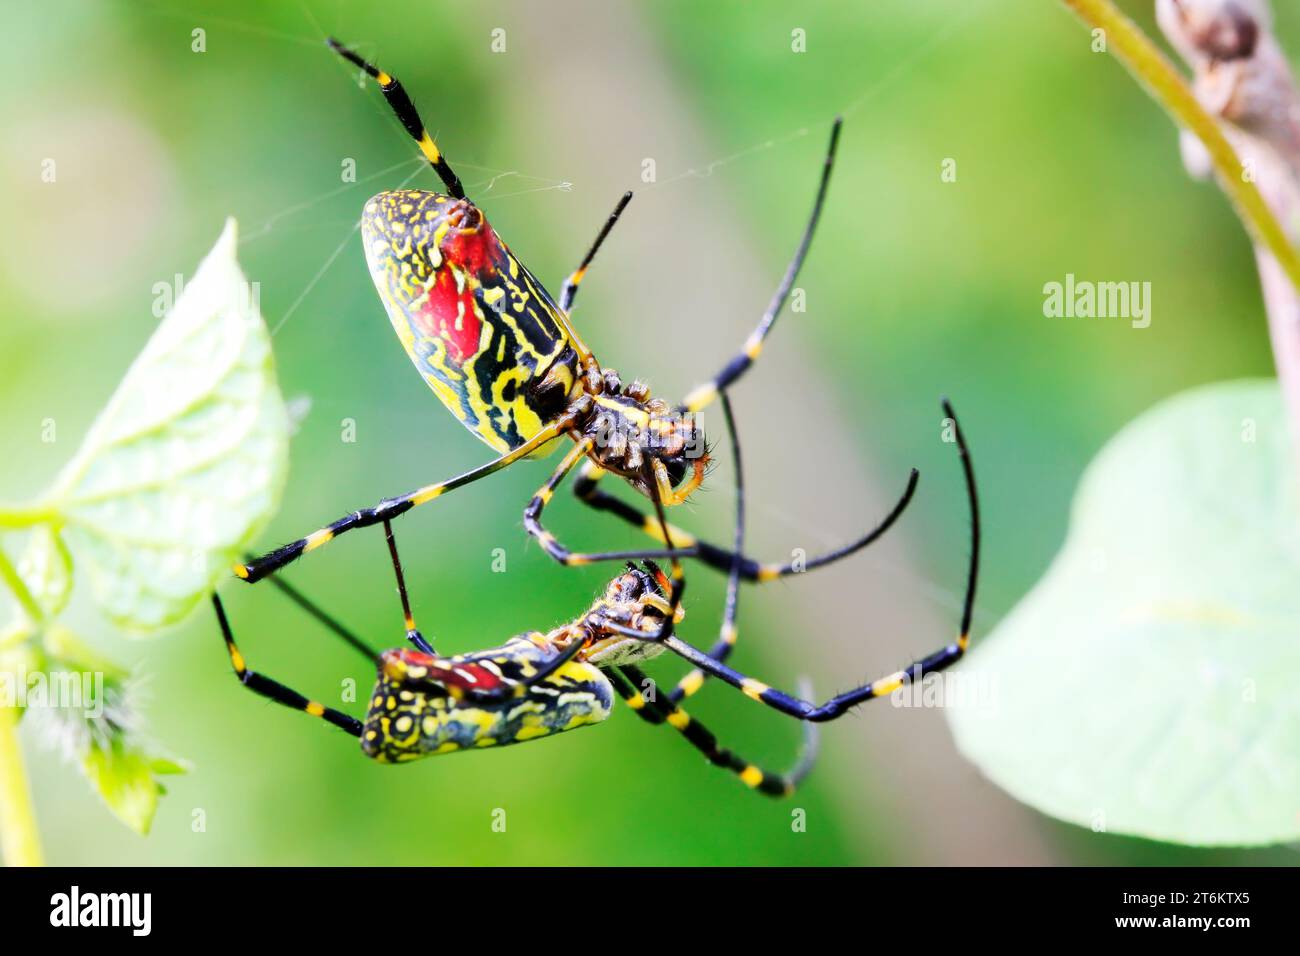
point(480, 328)
point(424, 705)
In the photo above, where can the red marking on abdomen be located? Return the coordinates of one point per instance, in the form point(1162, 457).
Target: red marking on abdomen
point(477, 251)
point(444, 307)
point(471, 252)
point(417, 658)
point(468, 676)
point(484, 679)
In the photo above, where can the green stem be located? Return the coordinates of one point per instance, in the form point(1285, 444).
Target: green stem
point(19, 587)
point(1166, 85)
point(19, 838)
point(25, 517)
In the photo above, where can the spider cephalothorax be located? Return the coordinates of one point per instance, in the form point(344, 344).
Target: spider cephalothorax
point(636, 600)
point(635, 436)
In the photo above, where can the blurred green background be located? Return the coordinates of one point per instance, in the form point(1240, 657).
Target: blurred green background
point(915, 288)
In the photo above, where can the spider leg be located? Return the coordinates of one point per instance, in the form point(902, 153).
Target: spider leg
point(834, 707)
point(412, 632)
point(533, 520)
point(714, 555)
point(517, 688)
point(570, 290)
point(323, 616)
point(389, 508)
point(628, 680)
point(722, 647)
point(401, 105)
point(274, 690)
point(703, 395)
point(590, 367)
point(540, 673)
point(685, 545)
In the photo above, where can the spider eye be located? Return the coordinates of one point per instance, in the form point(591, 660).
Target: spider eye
point(676, 468)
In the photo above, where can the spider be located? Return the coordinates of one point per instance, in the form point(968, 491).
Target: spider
point(504, 358)
point(538, 684)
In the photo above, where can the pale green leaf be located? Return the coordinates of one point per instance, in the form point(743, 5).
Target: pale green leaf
point(101, 732)
point(1147, 685)
point(126, 779)
point(187, 461)
point(46, 568)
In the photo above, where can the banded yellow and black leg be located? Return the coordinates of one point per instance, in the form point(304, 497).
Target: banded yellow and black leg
point(726, 642)
point(689, 546)
point(405, 110)
point(274, 690)
point(703, 395)
point(551, 545)
point(412, 632)
point(390, 508)
point(692, 681)
point(628, 680)
point(590, 367)
point(836, 706)
point(570, 290)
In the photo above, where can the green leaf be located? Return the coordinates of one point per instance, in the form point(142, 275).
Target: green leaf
point(125, 778)
point(102, 735)
point(187, 461)
point(46, 568)
point(1147, 684)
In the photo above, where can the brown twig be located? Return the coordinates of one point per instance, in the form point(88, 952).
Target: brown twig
point(1241, 75)
point(1244, 104)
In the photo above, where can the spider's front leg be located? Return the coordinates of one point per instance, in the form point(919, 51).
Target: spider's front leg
point(551, 545)
point(272, 689)
point(390, 508)
point(703, 395)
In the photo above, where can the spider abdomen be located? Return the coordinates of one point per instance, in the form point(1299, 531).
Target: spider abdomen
point(482, 331)
point(423, 706)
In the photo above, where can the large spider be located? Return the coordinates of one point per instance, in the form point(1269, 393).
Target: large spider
point(506, 361)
